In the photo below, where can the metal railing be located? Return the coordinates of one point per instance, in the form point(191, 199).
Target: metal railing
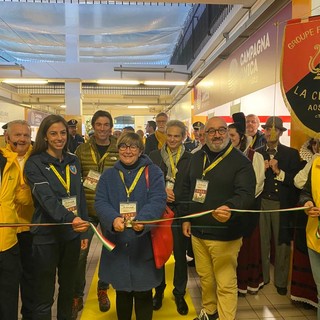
point(203, 22)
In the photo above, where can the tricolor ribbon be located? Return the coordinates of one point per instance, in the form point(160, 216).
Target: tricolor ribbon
point(110, 245)
point(202, 213)
point(105, 242)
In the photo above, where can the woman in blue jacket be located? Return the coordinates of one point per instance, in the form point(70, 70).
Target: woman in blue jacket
point(122, 199)
point(55, 181)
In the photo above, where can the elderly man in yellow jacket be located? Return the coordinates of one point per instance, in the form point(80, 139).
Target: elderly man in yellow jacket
point(11, 188)
point(18, 136)
point(310, 197)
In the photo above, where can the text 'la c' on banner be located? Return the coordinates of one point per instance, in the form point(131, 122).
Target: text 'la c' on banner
point(300, 72)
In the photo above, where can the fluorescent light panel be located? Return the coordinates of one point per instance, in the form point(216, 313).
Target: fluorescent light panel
point(137, 107)
point(25, 81)
point(119, 82)
point(164, 83)
point(141, 69)
point(137, 82)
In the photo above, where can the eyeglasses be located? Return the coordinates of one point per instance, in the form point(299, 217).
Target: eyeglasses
point(221, 131)
point(124, 147)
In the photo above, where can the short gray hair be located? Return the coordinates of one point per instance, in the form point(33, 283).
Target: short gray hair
point(14, 122)
point(179, 124)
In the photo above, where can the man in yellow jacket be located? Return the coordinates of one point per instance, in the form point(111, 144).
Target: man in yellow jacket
point(18, 137)
point(310, 197)
point(10, 267)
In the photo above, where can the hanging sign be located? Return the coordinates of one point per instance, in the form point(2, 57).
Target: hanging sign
point(300, 72)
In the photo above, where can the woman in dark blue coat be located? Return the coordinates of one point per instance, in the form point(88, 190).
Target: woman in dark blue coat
point(122, 197)
point(54, 177)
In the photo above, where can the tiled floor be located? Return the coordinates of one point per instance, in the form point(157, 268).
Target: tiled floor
point(267, 304)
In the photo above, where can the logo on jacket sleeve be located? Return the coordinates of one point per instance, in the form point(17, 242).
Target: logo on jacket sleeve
point(73, 169)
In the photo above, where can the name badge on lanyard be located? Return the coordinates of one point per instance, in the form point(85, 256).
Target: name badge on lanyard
point(92, 180)
point(200, 191)
point(128, 210)
point(70, 203)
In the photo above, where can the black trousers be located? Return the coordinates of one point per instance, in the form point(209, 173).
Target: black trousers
point(26, 280)
point(10, 271)
point(49, 260)
point(180, 277)
point(82, 266)
point(142, 304)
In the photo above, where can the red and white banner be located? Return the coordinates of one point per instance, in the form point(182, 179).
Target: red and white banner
point(300, 72)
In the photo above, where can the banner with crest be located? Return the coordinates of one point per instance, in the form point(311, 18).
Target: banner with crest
point(300, 72)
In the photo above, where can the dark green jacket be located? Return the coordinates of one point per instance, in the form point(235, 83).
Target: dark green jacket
point(84, 153)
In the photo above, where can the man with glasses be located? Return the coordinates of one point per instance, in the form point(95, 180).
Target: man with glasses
point(220, 179)
point(96, 155)
point(156, 140)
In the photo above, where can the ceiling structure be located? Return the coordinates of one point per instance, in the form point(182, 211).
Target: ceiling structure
point(91, 40)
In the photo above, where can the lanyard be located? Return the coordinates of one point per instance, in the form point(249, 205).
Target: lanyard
point(134, 183)
point(94, 158)
point(66, 183)
point(253, 141)
point(213, 164)
point(173, 163)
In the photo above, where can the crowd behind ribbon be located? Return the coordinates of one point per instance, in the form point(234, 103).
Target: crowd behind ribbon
point(61, 181)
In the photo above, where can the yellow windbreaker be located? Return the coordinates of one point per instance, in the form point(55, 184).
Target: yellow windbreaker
point(312, 226)
point(23, 199)
point(10, 179)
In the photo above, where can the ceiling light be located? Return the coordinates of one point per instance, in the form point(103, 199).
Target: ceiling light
point(119, 82)
point(141, 69)
point(137, 107)
point(25, 81)
point(164, 83)
point(63, 106)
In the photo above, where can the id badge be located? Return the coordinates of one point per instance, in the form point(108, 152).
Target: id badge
point(70, 204)
point(200, 191)
point(128, 210)
point(92, 179)
point(169, 185)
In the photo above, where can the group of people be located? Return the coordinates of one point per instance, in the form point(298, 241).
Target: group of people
point(117, 182)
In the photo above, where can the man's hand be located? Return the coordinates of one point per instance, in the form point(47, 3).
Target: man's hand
point(222, 214)
point(186, 229)
point(80, 225)
point(312, 211)
point(170, 195)
point(118, 224)
point(136, 226)
point(273, 164)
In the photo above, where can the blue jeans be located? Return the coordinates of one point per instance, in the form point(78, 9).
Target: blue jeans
point(315, 265)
